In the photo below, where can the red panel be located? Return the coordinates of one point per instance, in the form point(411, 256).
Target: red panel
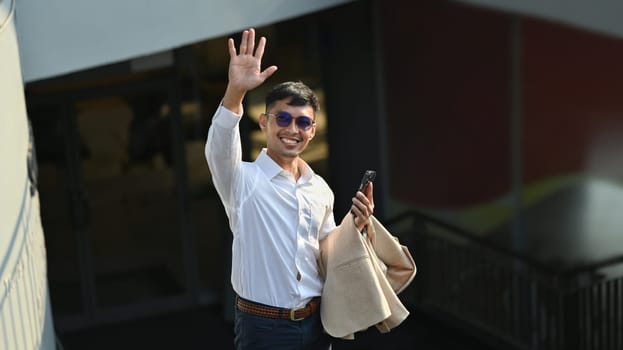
point(573, 109)
point(448, 101)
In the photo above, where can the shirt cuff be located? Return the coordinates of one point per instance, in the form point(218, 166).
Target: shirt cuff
point(226, 118)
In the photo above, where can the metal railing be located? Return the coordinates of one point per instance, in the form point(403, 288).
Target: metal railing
point(505, 296)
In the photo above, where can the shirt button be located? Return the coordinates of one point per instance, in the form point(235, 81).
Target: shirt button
point(298, 276)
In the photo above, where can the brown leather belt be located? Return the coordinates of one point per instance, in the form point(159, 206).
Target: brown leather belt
point(262, 310)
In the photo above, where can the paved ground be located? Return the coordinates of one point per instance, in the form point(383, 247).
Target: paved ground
point(204, 328)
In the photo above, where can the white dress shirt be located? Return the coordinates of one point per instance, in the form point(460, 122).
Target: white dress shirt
point(276, 221)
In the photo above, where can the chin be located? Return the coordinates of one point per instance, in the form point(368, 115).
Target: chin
point(291, 154)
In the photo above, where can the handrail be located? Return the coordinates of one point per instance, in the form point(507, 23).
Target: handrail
point(596, 266)
point(522, 307)
point(465, 234)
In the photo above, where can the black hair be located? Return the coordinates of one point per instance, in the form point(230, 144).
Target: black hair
point(300, 93)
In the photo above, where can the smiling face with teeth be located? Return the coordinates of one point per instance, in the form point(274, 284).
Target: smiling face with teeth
point(285, 144)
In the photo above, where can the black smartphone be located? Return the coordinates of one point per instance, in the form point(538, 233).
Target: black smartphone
point(368, 177)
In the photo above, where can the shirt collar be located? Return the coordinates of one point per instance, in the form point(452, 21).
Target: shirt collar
point(272, 169)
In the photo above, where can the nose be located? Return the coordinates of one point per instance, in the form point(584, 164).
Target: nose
point(292, 127)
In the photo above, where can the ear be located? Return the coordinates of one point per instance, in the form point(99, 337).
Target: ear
point(312, 132)
point(263, 121)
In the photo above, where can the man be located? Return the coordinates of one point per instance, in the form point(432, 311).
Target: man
point(278, 208)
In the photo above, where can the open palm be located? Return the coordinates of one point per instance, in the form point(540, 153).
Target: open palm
point(245, 72)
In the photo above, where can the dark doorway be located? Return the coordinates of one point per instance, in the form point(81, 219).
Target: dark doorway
point(122, 194)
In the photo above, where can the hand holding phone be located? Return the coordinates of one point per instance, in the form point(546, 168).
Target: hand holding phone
point(368, 177)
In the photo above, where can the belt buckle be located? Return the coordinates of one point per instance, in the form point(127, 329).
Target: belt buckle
point(293, 311)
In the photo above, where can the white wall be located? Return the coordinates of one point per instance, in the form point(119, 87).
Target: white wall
point(61, 36)
point(25, 314)
point(13, 129)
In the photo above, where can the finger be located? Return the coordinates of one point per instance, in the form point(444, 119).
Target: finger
point(243, 42)
point(369, 190)
point(355, 210)
point(366, 207)
point(232, 48)
point(359, 220)
point(362, 198)
point(268, 72)
point(362, 207)
point(260, 48)
point(369, 194)
point(251, 41)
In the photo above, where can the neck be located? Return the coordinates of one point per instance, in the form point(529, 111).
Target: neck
point(290, 165)
point(296, 173)
point(292, 168)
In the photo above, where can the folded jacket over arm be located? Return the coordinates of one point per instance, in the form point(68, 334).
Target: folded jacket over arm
point(363, 275)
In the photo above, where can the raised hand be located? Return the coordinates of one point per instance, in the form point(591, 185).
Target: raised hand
point(245, 71)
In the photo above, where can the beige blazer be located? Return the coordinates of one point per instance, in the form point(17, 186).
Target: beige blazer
point(363, 275)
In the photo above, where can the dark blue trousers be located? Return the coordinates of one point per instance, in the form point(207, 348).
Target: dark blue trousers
point(255, 333)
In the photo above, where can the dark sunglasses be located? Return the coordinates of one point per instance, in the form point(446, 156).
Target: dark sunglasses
point(284, 119)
